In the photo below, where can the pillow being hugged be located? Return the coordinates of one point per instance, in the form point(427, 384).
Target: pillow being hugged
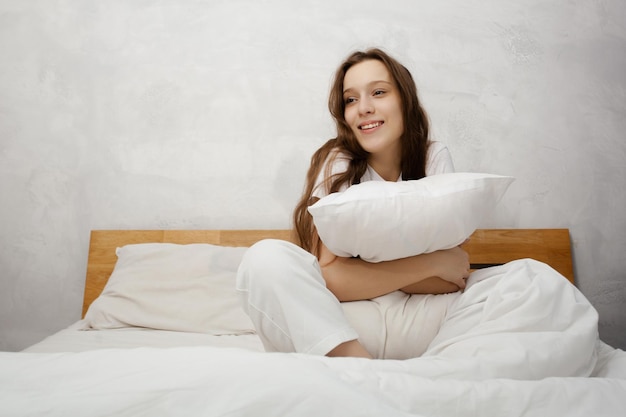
point(175, 287)
point(382, 221)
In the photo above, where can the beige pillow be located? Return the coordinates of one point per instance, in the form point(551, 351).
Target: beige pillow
point(166, 286)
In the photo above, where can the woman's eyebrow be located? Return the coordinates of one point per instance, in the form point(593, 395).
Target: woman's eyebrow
point(371, 83)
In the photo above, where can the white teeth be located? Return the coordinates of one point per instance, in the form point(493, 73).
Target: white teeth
point(371, 125)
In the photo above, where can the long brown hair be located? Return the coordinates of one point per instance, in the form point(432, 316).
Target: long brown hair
point(414, 142)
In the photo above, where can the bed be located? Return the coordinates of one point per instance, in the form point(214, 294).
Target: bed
point(151, 367)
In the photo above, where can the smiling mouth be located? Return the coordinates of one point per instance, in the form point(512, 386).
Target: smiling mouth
point(371, 125)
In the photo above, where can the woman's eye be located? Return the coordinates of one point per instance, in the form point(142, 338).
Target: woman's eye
point(349, 100)
point(379, 92)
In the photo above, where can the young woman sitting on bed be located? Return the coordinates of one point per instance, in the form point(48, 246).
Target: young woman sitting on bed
point(295, 293)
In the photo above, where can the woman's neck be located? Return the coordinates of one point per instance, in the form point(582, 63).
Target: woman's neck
point(388, 170)
point(387, 162)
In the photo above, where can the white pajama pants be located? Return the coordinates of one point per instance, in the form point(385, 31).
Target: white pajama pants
point(286, 298)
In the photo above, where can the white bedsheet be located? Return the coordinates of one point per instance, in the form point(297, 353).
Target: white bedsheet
point(73, 339)
point(521, 341)
point(206, 381)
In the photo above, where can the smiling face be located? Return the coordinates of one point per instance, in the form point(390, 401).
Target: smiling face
point(373, 110)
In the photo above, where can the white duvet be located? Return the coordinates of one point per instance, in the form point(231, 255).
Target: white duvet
point(520, 341)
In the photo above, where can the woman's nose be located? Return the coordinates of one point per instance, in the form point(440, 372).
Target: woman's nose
point(366, 106)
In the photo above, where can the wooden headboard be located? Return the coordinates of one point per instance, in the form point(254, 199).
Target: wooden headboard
point(486, 247)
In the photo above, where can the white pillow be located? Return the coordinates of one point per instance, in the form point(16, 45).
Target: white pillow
point(382, 221)
point(166, 286)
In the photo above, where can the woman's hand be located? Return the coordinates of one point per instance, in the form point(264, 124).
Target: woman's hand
point(453, 269)
point(452, 265)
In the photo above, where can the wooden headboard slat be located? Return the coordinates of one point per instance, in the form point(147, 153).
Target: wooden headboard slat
point(551, 246)
point(486, 246)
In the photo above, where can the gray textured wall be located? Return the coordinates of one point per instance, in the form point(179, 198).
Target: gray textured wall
point(203, 114)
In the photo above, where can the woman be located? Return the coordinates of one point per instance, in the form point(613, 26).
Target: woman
point(293, 294)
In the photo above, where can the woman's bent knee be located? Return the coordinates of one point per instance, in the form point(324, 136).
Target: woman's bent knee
point(270, 261)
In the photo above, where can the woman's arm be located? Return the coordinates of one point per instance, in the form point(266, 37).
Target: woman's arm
point(351, 279)
point(433, 285)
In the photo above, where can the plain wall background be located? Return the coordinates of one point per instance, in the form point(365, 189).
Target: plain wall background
point(204, 114)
